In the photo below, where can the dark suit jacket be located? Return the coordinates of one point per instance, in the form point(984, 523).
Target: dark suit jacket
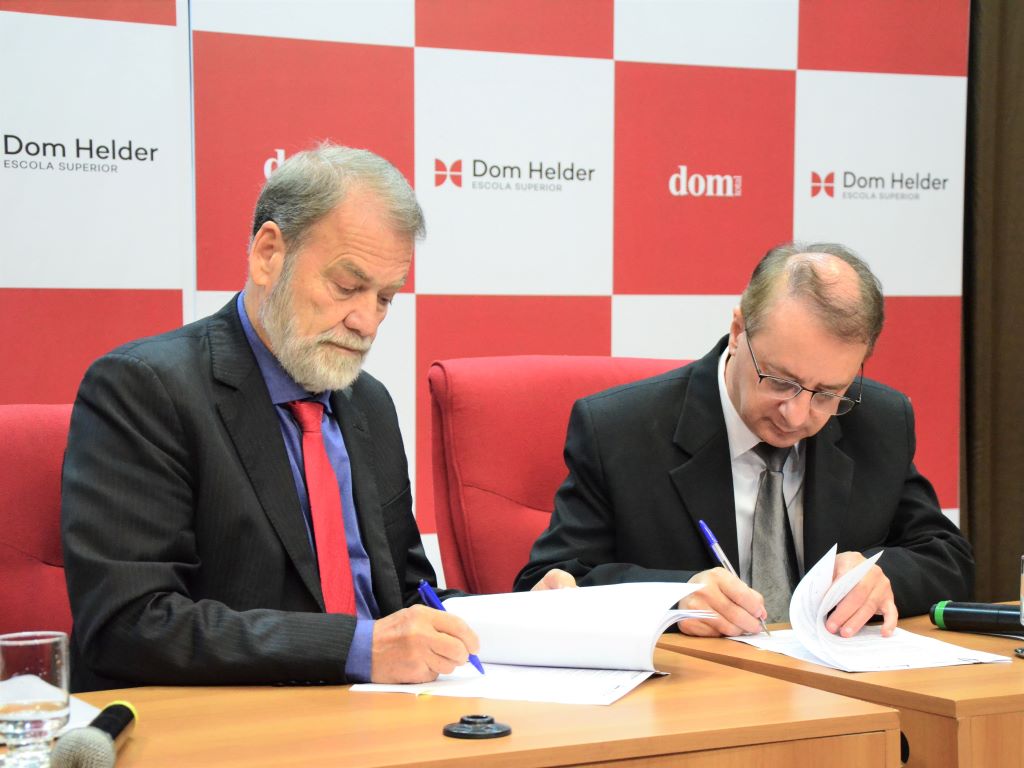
point(185, 550)
point(647, 460)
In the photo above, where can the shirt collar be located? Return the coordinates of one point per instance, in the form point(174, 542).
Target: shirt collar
point(281, 386)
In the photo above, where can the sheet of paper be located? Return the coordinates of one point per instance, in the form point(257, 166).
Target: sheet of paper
point(607, 627)
point(814, 597)
point(516, 683)
point(868, 651)
point(784, 641)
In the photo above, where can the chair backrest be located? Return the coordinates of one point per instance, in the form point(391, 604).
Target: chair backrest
point(33, 594)
point(498, 432)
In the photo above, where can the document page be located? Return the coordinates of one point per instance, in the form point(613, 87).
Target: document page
point(867, 651)
point(607, 627)
point(590, 645)
point(517, 683)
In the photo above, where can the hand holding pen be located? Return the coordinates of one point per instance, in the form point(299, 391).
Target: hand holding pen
point(428, 596)
point(720, 555)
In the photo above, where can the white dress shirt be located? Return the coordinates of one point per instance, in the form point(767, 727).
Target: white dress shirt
point(747, 467)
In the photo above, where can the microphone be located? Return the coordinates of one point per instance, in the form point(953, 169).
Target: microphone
point(96, 745)
point(977, 617)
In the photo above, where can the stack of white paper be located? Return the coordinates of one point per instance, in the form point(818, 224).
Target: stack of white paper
point(590, 645)
point(867, 651)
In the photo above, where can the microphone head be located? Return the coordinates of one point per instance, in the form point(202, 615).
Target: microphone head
point(84, 748)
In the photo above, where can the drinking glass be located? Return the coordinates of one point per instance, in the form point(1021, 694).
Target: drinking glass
point(33, 695)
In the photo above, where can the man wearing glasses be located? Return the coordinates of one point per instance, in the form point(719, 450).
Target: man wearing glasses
point(777, 441)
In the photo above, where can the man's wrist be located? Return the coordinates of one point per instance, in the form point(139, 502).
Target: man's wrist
point(359, 663)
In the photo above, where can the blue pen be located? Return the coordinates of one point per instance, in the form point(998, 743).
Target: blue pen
point(719, 553)
point(430, 598)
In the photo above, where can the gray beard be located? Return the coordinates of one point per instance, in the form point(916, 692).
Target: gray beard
point(314, 363)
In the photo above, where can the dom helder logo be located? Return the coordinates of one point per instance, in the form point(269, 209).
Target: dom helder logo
point(79, 155)
point(443, 173)
point(687, 183)
point(823, 184)
point(892, 185)
point(531, 176)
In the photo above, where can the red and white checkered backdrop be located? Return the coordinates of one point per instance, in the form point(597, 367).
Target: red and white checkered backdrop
point(598, 177)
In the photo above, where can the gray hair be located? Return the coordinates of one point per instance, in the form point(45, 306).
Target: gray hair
point(309, 185)
point(859, 317)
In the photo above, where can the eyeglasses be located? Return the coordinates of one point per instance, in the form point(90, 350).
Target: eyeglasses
point(822, 402)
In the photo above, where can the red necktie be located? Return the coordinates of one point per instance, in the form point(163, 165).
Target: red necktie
point(325, 505)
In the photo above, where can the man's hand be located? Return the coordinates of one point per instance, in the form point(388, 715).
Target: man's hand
point(738, 606)
point(873, 594)
point(416, 644)
point(556, 578)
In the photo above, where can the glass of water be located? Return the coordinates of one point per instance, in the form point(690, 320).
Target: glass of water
point(33, 695)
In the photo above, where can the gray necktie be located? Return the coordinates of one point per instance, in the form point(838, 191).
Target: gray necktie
point(773, 568)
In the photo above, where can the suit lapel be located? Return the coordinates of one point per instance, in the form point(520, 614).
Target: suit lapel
point(827, 487)
point(359, 444)
point(249, 417)
point(704, 480)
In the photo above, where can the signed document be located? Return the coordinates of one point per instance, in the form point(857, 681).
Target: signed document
point(867, 651)
point(590, 645)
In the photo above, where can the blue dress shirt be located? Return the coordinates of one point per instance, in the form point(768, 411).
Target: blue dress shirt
point(283, 389)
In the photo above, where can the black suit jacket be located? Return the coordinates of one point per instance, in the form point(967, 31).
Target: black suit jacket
point(185, 550)
point(647, 460)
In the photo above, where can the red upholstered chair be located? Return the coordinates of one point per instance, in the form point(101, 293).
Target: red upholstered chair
point(498, 431)
point(33, 594)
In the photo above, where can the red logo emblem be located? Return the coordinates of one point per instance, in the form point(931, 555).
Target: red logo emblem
point(826, 184)
point(443, 172)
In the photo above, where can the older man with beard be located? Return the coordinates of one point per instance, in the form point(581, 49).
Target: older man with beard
point(236, 503)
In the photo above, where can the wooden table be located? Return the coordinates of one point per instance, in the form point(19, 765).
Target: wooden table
point(701, 715)
point(969, 716)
